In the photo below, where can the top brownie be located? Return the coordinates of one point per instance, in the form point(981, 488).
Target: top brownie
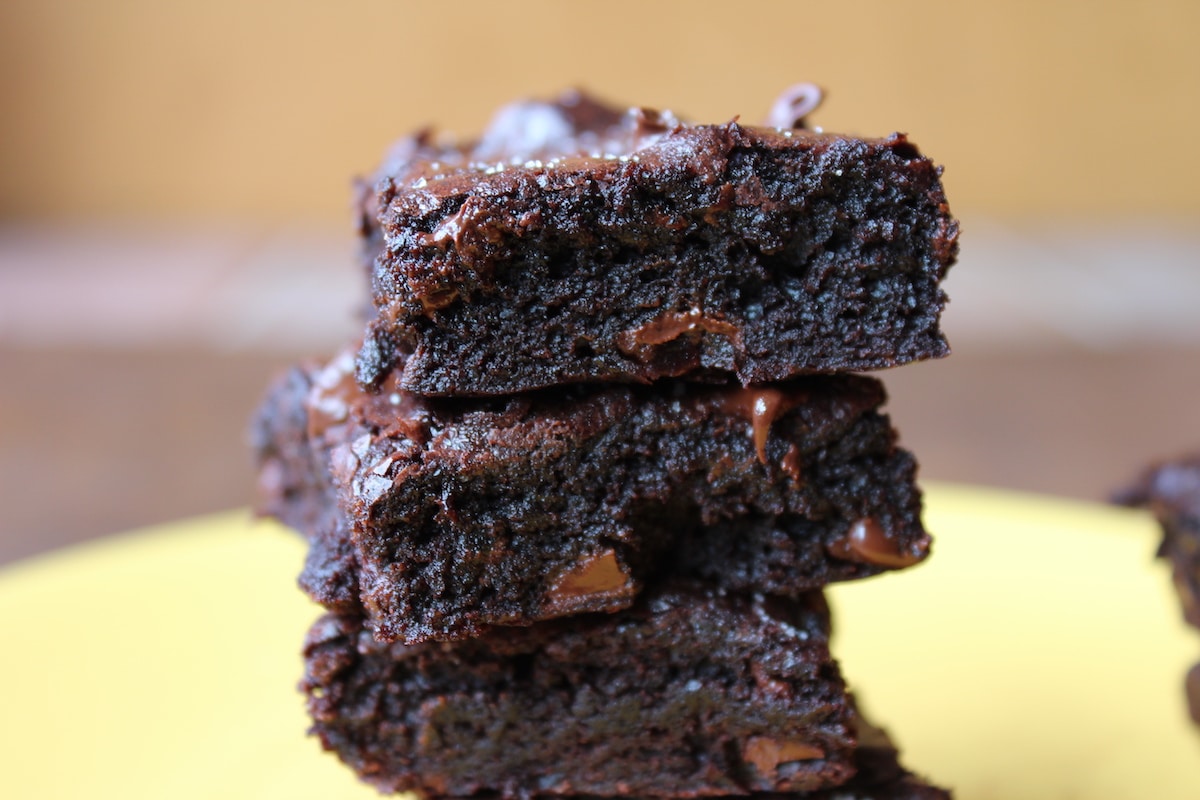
point(574, 243)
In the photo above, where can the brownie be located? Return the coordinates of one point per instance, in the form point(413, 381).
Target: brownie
point(689, 692)
point(455, 515)
point(1171, 491)
point(575, 243)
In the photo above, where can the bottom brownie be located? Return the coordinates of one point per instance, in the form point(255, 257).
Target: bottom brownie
point(688, 693)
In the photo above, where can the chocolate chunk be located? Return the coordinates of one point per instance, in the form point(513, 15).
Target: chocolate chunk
point(760, 405)
point(766, 754)
point(669, 327)
point(866, 541)
point(596, 583)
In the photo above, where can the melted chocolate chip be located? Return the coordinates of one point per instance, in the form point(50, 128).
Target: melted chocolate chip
point(766, 754)
point(670, 326)
point(867, 542)
point(760, 406)
point(445, 233)
point(597, 577)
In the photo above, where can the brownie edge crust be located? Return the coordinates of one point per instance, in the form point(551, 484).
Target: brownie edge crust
point(576, 244)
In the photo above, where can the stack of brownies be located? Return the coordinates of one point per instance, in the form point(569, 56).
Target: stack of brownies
point(572, 500)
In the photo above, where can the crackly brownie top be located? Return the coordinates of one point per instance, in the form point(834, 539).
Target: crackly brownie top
point(575, 140)
point(572, 133)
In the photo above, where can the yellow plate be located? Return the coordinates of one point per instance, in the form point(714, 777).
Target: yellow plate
point(1039, 654)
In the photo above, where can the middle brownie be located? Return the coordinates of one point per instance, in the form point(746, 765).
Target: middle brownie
point(441, 518)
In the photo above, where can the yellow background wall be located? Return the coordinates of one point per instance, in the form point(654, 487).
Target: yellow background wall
point(262, 110)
